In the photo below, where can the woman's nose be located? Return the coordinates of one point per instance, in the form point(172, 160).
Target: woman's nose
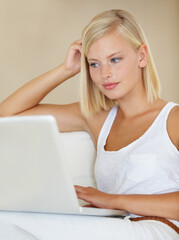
point(106, 72)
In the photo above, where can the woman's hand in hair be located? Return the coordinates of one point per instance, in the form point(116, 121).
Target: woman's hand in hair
point(73, 58)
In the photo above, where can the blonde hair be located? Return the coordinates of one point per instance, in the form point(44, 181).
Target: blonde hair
point(123, 23)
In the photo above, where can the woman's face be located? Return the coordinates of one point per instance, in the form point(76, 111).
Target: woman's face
point(114, 66)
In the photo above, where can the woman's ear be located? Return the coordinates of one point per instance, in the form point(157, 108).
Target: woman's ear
point(143, 56)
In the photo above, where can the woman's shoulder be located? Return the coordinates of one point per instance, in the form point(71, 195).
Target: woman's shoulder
point(173, 125)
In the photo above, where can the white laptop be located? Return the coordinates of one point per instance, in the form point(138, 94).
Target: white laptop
point(33, 172)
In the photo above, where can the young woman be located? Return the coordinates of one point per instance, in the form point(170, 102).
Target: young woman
point(135, 132)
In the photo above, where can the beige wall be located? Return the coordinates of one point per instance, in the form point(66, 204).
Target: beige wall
point(35, 35)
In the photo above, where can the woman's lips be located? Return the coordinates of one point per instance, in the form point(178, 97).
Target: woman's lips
point(110, 86)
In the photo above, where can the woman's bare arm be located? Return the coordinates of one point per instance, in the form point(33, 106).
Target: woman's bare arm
point(26, 100)
point(30, 95)
point(161, 205)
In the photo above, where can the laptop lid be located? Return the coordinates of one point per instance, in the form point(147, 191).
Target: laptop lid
point(34, 176)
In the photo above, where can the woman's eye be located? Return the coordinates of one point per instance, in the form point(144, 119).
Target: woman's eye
point(94, 65)
point(115, 60)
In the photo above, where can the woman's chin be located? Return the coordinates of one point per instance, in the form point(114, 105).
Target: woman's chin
point(113, 97)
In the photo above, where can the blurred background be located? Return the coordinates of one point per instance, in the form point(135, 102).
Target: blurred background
point(35, 36)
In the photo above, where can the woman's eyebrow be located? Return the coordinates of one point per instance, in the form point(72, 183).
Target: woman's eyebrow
point(111, 55)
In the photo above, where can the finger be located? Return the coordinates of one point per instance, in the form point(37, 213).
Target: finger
point(89, 205)
point(76, 47)
point(79, 188)
point(79, 41)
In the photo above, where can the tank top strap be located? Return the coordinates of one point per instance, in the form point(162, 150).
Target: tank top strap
point(106, 127)
point(166, 110)
point(163, 115)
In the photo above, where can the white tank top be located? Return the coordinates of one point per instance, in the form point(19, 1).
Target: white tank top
point(149, 165)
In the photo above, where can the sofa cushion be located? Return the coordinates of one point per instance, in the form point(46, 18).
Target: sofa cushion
point(80, 154)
